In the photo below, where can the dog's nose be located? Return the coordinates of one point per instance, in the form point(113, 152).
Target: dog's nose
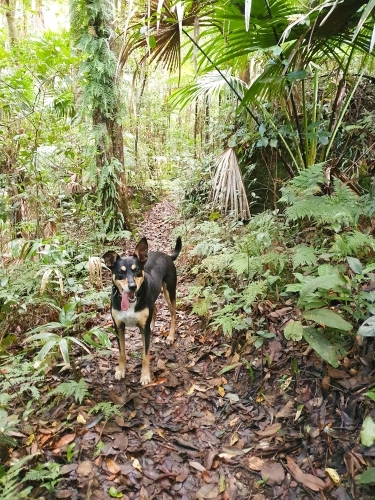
point(132, 287)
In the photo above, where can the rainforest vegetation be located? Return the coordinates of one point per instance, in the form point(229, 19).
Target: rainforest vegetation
point(248, 129)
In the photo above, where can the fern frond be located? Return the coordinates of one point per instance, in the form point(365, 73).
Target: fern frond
point(215, 262)
point(304, 255)
point(202, 306)
point(72, 388)
point(243, 264)
point(253, 290)
point(107, 408)
point(353, 243)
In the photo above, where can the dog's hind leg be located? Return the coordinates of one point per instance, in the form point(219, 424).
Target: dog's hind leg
point(144, 326)
point(153, 319)
point(170, 297)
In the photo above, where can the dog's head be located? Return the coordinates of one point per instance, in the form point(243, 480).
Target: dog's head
point(127, 272)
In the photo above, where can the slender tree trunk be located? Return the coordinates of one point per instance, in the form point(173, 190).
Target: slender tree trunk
point(10, 8)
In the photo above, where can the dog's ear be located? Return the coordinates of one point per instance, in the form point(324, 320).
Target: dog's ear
point(109, 258)
point(141, 251)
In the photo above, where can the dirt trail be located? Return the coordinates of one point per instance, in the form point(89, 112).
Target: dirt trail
point(199, 434)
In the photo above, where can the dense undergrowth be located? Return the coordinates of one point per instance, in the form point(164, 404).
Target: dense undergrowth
point(316, 255)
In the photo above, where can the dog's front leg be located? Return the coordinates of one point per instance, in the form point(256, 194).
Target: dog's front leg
point(146, 336)
point(120, 370)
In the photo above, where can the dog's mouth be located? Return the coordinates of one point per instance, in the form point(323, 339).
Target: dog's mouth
point(126, 299)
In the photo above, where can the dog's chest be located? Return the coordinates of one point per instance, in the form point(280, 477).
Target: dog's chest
point(130, 317)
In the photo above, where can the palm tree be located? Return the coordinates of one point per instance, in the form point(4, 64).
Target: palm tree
point(312, 59)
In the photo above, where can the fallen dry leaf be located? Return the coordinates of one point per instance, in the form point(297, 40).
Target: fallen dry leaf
point(112, 466)
point(287, 410)
point(156, 382)
point(85, 468)
point(255, 463)
point(272, 472)
point(68, 438)
point(197, 465)
point(308, 480)
point(269, 431)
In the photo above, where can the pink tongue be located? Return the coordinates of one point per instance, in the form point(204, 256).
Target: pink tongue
point(124, 301)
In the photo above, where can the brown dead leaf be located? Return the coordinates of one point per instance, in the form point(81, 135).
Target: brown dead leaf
point(207, 491)
point(68, 438)
point(85, 468)
point(143, 495)
point(255, 463)
point(326, 382)
point(308, 480)
point(112, 466)
point(121, 442)
point(197, 465)
point(287, 410)
point(161, 364)
point(336, 373)
point(156, 382)
point(272, 472)
point(269, 431)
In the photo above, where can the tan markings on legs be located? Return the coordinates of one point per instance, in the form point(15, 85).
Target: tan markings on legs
point(153, 319)
point(145, 374)
point(120, 370)
point(172, 310)
point(143, 317)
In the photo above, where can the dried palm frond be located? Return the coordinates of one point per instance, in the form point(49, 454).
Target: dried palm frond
point(45, 278)
point(228, 190)
point(95, 271)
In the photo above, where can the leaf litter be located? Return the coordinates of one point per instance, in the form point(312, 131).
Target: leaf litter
point(203, 429)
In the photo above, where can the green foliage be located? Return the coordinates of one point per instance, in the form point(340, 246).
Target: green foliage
point(10, 487)
point(48, 474)
point(68, 317)
point(108, 409)
point(79, 390)
point(304, 255)
point(367, 433)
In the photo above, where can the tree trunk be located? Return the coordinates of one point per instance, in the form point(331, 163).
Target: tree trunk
point(10, 8)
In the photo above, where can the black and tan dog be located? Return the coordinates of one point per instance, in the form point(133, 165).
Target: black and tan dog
point(137, 282)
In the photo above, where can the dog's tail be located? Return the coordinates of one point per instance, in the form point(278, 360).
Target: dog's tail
point(177, 249)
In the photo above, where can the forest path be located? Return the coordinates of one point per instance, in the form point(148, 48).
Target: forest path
point(207, 427)
point(167, 441)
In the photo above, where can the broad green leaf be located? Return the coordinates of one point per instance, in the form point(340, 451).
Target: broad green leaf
point(46, 348)
point(326, 269)
point(113, 493)
point(370, 394)
point(79, 342)
point(228, 368)
point(64, 348)
point(67, 314)
point(321, 346)
point(326, 317)
point(44, 336)
point(367, 433)
point(367, 329)
point(324, 282)
point(355, 265)
point(293, 330)
point(367, 477)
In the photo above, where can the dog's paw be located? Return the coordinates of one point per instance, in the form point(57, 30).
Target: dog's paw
point(170, 339)
point(145, 378)
point(120, 373)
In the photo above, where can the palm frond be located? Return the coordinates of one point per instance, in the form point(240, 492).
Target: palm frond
point(212, 83)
